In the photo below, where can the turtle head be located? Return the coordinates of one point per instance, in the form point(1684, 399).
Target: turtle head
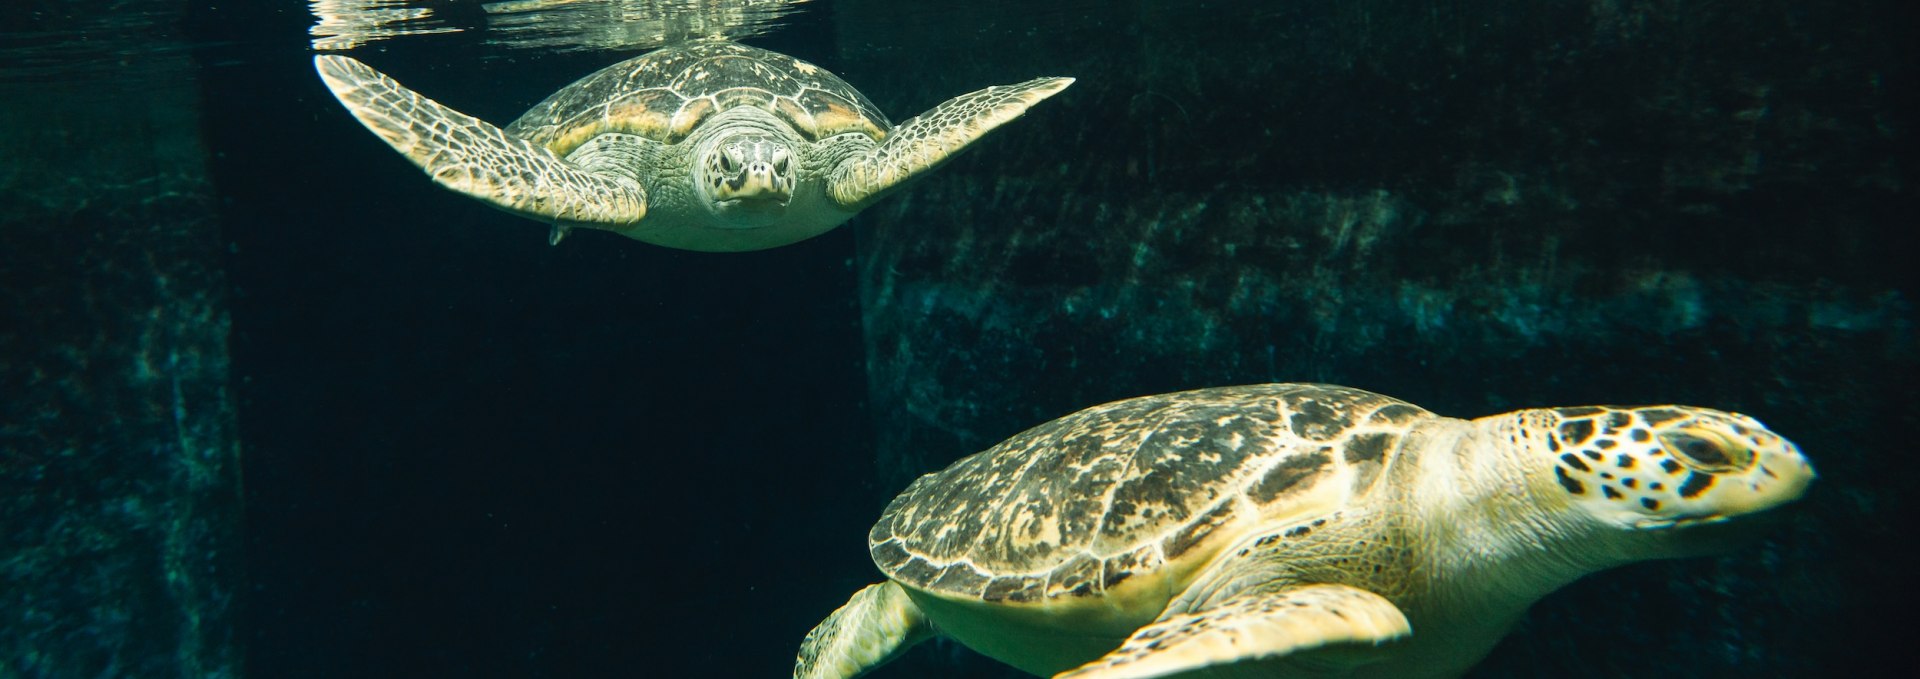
point(1692, 478)
point(747, 179)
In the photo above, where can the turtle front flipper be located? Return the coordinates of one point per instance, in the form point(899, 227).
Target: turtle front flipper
point(932, 138)
point(1254, 624)
point(874, 626)
point(475, 158)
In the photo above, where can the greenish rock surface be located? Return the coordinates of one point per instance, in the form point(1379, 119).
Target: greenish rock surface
point(119, 460)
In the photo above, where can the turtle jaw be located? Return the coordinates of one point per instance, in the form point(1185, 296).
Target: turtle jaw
point(747, 180)
point(1715, 534)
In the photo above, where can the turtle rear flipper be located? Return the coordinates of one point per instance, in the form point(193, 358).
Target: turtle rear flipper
point(932, 138)
point(874, 626)
point(1254, 624)
point(478, 159)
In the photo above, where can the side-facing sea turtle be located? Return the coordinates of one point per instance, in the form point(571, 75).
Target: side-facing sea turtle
point(705, 145)
point(1290, 530)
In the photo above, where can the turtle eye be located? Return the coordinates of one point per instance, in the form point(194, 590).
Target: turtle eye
point(1702, 452)
point(780, 164)
point(726, 162)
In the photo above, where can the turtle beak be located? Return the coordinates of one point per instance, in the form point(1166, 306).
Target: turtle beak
point(757, 183)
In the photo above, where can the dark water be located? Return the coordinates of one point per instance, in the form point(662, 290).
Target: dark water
point(393, 433)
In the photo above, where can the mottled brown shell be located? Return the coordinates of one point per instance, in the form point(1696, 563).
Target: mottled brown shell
point(664, 95)
point(1076, 505)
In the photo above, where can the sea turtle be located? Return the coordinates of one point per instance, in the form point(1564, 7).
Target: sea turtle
point(704, 145)
point(1290, 530)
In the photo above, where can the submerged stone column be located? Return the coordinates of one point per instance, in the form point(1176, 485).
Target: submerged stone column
point(119, 459)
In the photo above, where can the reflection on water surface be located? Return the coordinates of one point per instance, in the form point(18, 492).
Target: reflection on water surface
point(555, 25)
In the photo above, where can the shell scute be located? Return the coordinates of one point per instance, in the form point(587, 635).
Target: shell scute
point(743, 96)
point(1292, 475)
point(827, 112)
point(1013, 588)
point(645, 112)
point(689, 116)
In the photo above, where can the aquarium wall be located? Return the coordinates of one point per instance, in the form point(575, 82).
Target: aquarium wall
point(1475, 207)
point(119, 462)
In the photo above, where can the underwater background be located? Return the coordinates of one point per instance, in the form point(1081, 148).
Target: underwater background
point(272, 404)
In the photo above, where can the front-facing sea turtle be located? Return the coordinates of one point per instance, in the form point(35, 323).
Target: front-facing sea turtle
point(705, 145)
point(1290, 530)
